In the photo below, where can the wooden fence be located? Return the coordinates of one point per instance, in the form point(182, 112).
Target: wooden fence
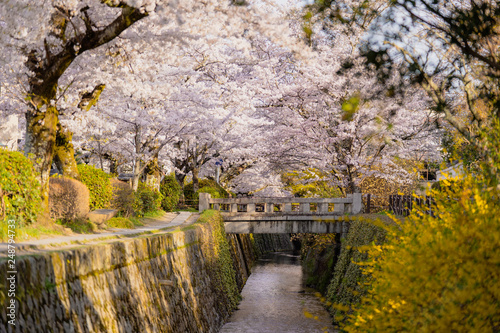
point(403, 204)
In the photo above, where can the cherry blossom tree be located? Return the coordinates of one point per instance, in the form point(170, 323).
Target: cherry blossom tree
point(324, 115)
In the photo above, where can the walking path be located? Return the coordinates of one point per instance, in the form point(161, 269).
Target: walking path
point(152, 225)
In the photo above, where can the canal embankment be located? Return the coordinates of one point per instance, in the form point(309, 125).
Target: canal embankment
point(187, 280)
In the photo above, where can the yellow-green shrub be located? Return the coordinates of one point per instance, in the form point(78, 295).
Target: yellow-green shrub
point(171, 191)
point(147, 199)
point(205, 186)
point(68, 199)
point(19, 188)
point(438, 274)
point(442, 273)
point(310, 183)
point(98, 184)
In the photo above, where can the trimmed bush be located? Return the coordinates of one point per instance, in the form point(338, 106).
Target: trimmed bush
point(123, 197)
point(68, 199)
point(147, 200)
point(99, 185)
point(19, 188)
point(171, 191)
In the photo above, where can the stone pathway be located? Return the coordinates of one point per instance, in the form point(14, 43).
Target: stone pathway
point(153, 225)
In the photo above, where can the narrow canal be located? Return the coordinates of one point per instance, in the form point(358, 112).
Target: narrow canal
point(274, 300)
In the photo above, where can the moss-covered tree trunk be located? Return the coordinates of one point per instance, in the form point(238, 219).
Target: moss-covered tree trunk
point(179, 176)
point(64, 153)
point(41, 131)
point(42, 119)
point(196, 181)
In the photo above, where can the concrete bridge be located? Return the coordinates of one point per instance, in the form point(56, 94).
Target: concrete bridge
point(284, 215)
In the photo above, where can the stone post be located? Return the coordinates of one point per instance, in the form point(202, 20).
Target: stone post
point(305, 207)
point(251, 208)
point(204, 202)
point(288, 207)
point(323, 207)
point(357, 203)
point(269, 207)
point(338, 208)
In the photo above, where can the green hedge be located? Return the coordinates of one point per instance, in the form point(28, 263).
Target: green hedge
point(99, 185)
point(147, 199)
point(19, 188)
point(171, 191)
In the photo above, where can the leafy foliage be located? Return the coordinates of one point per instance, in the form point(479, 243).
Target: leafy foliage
point(123, 197)
point(171, 191)
point(381, 188)
point(206, 186)
point(309, 183)
point(147, 200)
point(19, 188)
point(440, 273)
point(99, 185)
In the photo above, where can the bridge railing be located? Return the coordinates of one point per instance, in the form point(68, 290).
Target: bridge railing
point(307, 206)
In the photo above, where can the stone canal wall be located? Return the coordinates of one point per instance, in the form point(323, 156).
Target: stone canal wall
point(123, 286)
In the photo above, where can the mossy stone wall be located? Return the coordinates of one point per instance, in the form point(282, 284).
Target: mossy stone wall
point(115, 287)
point(337, 276)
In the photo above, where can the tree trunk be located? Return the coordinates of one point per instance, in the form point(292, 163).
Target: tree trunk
point(113, 165)
point(41, 129)
point(64, 153)
point(137, 175)
point(196, 182)
point(180, 179)
point(42, 120)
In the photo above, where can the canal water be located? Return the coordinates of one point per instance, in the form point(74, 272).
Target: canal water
point(274, 300)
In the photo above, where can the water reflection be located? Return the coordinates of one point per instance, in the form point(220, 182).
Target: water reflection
point(274, 300)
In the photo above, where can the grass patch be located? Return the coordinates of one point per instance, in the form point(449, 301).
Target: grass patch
point(187, 209)
point(155, 213)
point(33, 231)
point(79, 226)
point(120, 222)
point(207, 216)
point(136, 221)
